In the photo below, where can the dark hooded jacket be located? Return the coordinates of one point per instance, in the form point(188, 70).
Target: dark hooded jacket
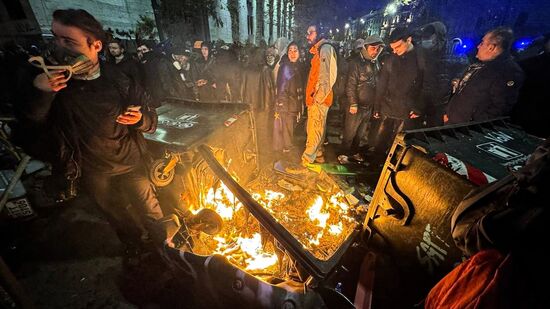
point(152, 80)
point(258, 87)
point(206, 70)
point(172, 82)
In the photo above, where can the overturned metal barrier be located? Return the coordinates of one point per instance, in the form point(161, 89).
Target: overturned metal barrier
point(218, 283)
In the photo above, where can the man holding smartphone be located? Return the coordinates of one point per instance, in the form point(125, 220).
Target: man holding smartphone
point(96, 121)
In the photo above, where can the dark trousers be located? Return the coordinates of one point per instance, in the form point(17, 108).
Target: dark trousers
point(115, 193)
point(388, 129)
point(283, 130)
point(355, 128)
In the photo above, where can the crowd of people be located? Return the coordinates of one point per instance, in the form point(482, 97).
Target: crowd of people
point(90, 127)
point(407, 81)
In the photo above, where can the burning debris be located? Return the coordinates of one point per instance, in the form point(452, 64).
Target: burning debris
point(320, 221)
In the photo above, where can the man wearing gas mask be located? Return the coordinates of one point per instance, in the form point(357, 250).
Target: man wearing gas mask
point(95, 123)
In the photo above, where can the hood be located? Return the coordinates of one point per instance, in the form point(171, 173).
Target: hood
point(281, 45)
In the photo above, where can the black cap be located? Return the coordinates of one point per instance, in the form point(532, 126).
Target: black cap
point(179, 50)
point(399, 33)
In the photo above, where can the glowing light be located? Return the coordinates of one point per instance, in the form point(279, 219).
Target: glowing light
point(391, 8)
point(523, 43)
point(223, 201)
point(346, 26)
point(328, 218)
point(253, 247)
point(464, 46)
point(335, 229)
point(337, 30)
point(362, 20)
point(315, 213)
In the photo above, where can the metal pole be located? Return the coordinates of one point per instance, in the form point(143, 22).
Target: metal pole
point(13, 181)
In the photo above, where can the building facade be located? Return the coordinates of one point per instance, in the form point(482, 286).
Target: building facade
point(466, 20)
point(18, 22)
point(22, 20)
point(251, 21)
point(235, 20)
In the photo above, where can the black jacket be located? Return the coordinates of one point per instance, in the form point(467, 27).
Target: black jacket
point(399, 87)
point(79, 122)
point(172, 82)
point(490, 92)
point(152, 79)
point(290, 87)
point(131, 68)
point(206, 70)
point(258, 87)
point(361, 84)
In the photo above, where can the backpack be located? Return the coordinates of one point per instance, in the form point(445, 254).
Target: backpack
point(503, 227)
point(339, 86)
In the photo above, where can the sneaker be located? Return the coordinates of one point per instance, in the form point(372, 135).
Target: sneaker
point(358, 157)
point(297, 170)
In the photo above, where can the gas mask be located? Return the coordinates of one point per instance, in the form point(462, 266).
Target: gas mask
point(59, 58)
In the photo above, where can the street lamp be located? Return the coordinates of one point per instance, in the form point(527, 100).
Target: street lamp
point(346, 26)
point(362, 20)
point(337, 30)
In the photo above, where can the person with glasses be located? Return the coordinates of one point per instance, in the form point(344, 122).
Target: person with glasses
point(318, 94)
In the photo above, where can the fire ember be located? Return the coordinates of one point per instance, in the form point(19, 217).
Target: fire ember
point(320, 220)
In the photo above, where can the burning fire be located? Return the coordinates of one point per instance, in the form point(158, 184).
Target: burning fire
point(318, 224)
point(222, 201)
point(315, 213)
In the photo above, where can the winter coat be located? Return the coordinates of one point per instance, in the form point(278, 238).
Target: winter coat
point(153, 81)
point(258, 88)
point(290, 88)
point(80, 121)
point(361, 83)
point(322, 74)
point(205, 70)
point(399, 87)
point(490, 91)
point(131, 68)
point(172, 82)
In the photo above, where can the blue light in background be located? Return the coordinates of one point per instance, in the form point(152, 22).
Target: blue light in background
point(523, 43)
point(464, 47)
